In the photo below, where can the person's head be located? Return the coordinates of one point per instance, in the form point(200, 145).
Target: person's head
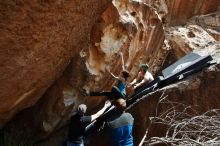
point(120, 103)
point(82, 109)
point(144, 68)
point(125, 74)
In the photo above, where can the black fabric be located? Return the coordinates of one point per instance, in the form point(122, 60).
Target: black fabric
point(101, 93)
point(116, 94)
point(78, 124)
point(113, 94)
point(99, 121)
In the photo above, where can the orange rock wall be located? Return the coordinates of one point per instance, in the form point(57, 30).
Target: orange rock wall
point(209, 22)
point(53, 50)
point(199, 90)
point(38, 40)
point(179, 11)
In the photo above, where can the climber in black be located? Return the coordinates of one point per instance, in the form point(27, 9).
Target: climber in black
point(120, 90)
point(79, 122)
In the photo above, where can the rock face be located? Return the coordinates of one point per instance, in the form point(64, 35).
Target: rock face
point(177, 12)
point(123, 27)
point(53, 50)
point(38, 40)
point(199, 90)
point(209, 22)
point(116, 30)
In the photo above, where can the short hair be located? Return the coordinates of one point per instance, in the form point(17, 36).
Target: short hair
point(120, 103)
point(82, 109)
point(144, 67)
point(125, 74)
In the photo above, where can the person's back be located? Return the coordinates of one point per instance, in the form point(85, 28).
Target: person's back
point(77, 127)
point(119, 126)
point(78, 123)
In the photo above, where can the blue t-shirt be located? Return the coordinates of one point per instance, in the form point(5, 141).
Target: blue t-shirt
point(119, 126)
point(122, 87)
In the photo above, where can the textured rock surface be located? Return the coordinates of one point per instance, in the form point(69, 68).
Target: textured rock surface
point(52, 50)
point(209, 22)
point(119, 28)
point(180, 11)
point(200, 90)
point(193, 91)
point(38, 40)
point(177, 12)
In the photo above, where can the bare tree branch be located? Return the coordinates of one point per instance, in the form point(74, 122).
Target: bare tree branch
point(185, 125)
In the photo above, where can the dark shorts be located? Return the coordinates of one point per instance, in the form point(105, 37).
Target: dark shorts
point(116, 94)
point(74, 144)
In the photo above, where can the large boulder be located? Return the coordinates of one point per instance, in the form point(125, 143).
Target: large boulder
point(115, 30)
point(209, 22)
point(178, 12)
point(53, 50)
point(38, 40)
point(199, 91)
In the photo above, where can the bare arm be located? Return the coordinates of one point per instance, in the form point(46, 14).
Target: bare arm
point(122, 60)
point(147, 78)
point(133, 82)
point(139, 84)
point(113, 75)
point(100, 112)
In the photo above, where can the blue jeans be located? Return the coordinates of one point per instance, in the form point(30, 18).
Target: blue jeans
point(74, 144)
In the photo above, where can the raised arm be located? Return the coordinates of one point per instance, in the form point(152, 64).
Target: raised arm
point(147, 79)
point(122, 60)
point(139, 84)
point(100, 112)
point(116, 77)
point(133, 82)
